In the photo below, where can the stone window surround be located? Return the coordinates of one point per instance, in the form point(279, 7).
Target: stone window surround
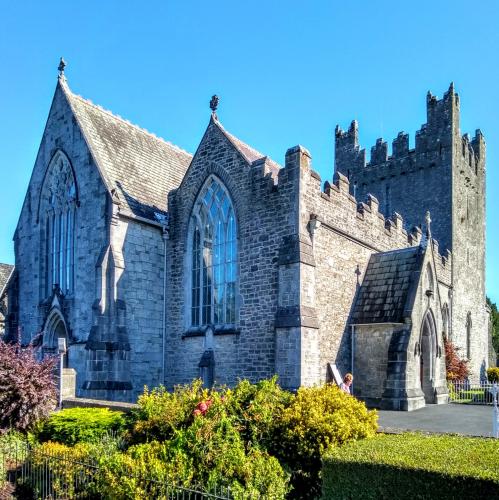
point(218, 329)
point(57, 214)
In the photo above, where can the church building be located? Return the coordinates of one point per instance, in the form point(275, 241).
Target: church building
point(158, 267)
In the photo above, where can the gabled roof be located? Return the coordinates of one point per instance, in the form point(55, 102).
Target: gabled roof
point(390, 276)
point(249, 153)
point(5, 274)
point(135, 165)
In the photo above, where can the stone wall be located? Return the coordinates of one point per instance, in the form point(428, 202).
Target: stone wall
point(61, 132)
point(140, 286)
point(265, 209)
point(444, 173)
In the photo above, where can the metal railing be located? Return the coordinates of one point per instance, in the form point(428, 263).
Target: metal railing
point(468, 393)
point(26, 472)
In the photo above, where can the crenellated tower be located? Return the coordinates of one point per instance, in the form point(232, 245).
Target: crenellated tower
point(445, 174)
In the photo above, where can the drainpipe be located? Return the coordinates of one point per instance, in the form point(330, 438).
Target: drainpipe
point(352, 351)
point(163, 369)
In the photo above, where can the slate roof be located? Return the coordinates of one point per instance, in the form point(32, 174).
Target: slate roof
point(390, 276)
point(141, 167)
point(248, 152)
point(5, 272)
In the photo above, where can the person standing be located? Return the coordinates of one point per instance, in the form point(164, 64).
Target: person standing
point(347, 382)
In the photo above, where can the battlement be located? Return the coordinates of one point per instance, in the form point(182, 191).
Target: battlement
point(433, 141)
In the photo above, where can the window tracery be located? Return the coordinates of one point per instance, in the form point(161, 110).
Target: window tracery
point(214, 258)
point(57, 214)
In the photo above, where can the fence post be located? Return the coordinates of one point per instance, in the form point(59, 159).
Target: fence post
point(495, 415)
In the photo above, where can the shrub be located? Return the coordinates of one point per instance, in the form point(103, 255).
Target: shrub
point(13, 450)
point(258, 409)
point(319, 418)
point(243, 438)
point(66, 471)
point(27, 388)
point(391, 466)
point(76, 425)
point(457, 368)
point(161, 413)
point(493, 375)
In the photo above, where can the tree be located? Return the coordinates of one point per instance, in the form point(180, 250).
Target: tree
point(457, 368)
point(27, 386)
point(494, 317)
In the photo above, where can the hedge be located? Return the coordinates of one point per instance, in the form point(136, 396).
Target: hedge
point(76, 425)
point(415, 465)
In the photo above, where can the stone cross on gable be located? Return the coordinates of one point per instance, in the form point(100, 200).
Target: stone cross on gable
point(62, 66)
point(214, 105)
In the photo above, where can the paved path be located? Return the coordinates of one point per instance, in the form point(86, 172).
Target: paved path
point(471, 420)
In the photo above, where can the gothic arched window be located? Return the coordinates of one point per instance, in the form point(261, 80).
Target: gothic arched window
point(57, 209)
point(214, 257)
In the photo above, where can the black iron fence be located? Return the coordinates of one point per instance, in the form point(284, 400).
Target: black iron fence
point(28, 473)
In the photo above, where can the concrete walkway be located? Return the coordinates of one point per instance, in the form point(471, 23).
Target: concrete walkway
point(470, 420)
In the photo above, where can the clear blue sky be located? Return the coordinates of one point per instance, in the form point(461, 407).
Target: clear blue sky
point(286, 73)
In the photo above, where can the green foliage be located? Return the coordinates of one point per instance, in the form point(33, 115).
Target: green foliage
point(256, 439)
point(391, 466)
point(319, 418)
point(76, 425)
point(494, 318)
point(160, 412)
point(13, 449)
point(258, 409)
point(493, 375)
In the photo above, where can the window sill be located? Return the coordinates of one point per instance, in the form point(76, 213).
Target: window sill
point(218, 330)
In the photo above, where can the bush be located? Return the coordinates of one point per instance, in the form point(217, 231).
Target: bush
point(258, 409)
point(161, 413)
point(76, 425)
point(65, 471)
point(27, 388)
point(391, 466)
point(457, 368)
point(13, 450)
point(319, 418)
point(493, 375)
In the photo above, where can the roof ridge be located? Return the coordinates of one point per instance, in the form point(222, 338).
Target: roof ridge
point(127, 122)
point(235, 140)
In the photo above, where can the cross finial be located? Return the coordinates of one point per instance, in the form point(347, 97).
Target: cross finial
point(428, 224)
point(62, 65)
point(214, 104)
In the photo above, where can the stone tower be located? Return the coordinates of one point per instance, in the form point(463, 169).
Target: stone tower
point(444, 173)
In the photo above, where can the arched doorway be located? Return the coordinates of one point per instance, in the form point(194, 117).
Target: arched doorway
point(428, 357)
point(55, 329)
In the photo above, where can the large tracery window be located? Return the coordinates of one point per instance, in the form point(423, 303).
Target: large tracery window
point(57, 214)
point(214, 258)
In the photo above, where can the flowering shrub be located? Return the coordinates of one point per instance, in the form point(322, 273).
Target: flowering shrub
point(256, 439)
point(457, 368)
point(27, 387)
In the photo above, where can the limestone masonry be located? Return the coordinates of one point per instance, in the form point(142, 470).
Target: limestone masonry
point(158, 267)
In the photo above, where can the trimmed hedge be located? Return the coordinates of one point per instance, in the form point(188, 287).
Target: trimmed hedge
point(413, 465)
point(76, 425)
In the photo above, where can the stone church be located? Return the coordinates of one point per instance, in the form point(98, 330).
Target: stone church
point(158, 266)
